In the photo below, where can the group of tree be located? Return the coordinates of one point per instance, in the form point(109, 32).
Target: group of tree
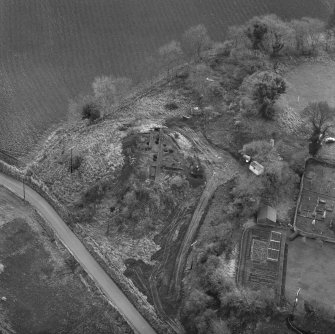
point(267, 34)
point(192, 44)
point(273, 36)
point(264, 88)
point(277, 183)
point(108, 92)
point(214, 305)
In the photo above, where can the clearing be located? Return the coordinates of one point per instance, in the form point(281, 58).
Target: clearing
point(44, 288)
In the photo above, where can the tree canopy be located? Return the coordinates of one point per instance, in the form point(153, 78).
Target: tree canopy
point(195, 40)
point(331, 20)
point(265, 87)
point(320, 117)
point(170, 54)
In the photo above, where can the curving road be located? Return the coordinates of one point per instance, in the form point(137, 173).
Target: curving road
point(90, 265)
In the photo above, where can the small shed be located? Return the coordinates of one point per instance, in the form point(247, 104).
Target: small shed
point(256, 167)
point(266, 215)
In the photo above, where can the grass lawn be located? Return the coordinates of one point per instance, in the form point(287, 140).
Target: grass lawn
point(307, 82)
point(311, 267)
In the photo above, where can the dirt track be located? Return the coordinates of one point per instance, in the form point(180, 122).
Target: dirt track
point(169, 231)
point(207, 194)
point(219, 169)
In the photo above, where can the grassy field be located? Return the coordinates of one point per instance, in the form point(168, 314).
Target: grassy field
point(307, 82)
point(46, 290)
point(310, 266)
point(51, 51)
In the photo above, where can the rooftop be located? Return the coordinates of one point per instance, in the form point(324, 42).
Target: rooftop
point(266, 214)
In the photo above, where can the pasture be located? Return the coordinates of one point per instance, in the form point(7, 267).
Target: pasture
point(45, 290)
point(52, 50)
point(310, 266)
point(308, 82)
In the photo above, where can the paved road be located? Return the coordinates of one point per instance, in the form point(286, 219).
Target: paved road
point(68, 238)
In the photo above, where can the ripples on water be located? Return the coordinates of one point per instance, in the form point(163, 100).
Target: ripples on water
point(51, 50)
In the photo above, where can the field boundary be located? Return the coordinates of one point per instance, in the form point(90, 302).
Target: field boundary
point(299, 230)
point(116, 276)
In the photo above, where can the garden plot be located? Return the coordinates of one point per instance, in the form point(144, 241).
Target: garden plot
point(262, 258)
point(315, 212)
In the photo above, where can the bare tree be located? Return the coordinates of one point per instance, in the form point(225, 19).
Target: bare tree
point(169, 55)
point(331, 20)
point(321, 117)
point(108, 91)
point(195, 40)
point(330, 30)
point(308, 34)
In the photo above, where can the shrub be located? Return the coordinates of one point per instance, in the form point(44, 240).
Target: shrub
point(171, 106)
point(76, 106)
point(93, 194)
point(91, 112)
point(182, 74)
point(72, 263)
point(279, 180)
point(76, 162)
point(258, 149)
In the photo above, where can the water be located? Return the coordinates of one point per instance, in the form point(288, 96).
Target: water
point(52, 50)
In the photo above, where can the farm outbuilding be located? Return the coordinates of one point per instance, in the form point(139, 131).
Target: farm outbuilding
point(256, 168)
point(266, 215)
